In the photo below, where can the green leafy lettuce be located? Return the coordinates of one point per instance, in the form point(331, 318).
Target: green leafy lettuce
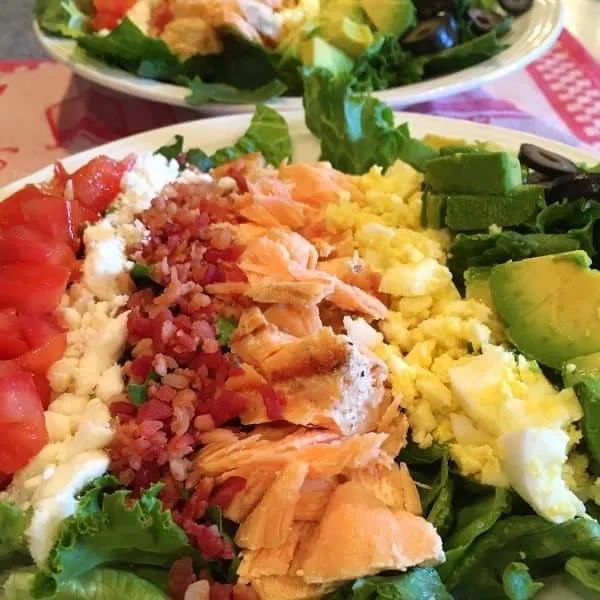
point(13, 524)
point(356, 131)
point(61, 17)
point(417, 584)
point(111, 527)
point(99, 584)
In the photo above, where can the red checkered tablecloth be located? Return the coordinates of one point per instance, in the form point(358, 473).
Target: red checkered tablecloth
point(46, 113)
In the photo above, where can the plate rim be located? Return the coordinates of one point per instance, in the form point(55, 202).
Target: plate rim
point(236, 123)
point(538, 37)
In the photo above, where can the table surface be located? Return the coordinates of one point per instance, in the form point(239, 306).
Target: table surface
point(17, 40)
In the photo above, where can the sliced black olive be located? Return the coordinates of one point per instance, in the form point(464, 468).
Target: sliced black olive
point(483, 21)
point(546, 162)
point(539, 179)
point(429, 8)
point(516, 7)
point(433, 35)
point(573, 187)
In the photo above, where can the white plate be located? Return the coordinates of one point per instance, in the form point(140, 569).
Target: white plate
point(531, 35)
point(215, 133)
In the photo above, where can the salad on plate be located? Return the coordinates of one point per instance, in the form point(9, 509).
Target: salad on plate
point(249, 51)
point(234, 376)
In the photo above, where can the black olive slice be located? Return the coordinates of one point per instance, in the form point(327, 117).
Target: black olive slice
point(429, 8)
point(516, 7)
point(572, 187)
point(433, 35)
point(483, 21)
point(539, 179)
point(546, 162)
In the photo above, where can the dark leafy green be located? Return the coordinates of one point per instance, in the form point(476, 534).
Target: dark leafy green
point(203, 93)
point(417, 584)
point(61, 17)
point(268, 134)
point(225, 329)
point(411, 454)
point(13, 524)
point(99, 584)
point(585, 570)
point(172, 151)
point(111, 527)
point(356, 131)
point(517, 582)
point(588, 392)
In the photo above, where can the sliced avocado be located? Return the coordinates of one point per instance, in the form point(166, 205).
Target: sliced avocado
point(580, 367)
point(477, 285)
point(477, 213)
point(489, 173)
point(550, 306)
point(439, 142)
point(316, 52)
point(349, 36)
point(433, 210)
point(391, 17)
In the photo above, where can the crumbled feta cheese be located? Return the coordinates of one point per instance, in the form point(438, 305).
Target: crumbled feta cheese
point(191, 176)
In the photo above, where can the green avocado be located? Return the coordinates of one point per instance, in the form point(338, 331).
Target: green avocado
point(477, 285)
point(433, 210)
point(349, 36)
point(550, 306)
point(486, 173)
point(477, 213)
point(316, 52)
point(391, 17)
point(580, 367)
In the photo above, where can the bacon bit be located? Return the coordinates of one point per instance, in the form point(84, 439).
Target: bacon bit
point(181, 576)
point(227, 406)
point(274, 403)
point(122, 409)
point(221, 591)
point(5, 481)
point(208, 540)
point(141, 366)
point(224, 493)
point(145, 476)
point(154, 410)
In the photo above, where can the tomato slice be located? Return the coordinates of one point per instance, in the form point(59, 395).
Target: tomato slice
point(36, 330)
point(32, 288)
point(12, 342)
point(11, 212)
point(40, 359)
point(24, 244)
point(42, 385)
point(96, 184)
point(22, 427)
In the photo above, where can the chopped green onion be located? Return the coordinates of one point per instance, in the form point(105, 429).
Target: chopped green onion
point(225, 329)
point(138, 393)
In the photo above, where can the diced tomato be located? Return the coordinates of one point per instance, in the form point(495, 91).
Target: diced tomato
point(24, 244)
point(54, 216)
point(11, 212)
point(118, 7)
point(58, 183)
point(12, 343)
point(96, 184)
point(36, 330)
point(40, 359)
point(22, 426)
point(42, 386)
point(161, 15)
point(105, 21)
point(32, 288)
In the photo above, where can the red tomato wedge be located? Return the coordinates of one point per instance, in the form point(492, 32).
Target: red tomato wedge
point(96, 184)
point(12, 342)
point(32, 288)
point(40, 359)
point(22, 426)
point(36, 330)
point(24, 244)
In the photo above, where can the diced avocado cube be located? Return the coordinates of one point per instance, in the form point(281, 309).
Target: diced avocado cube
point(433, 210)
point(477, 285)
point(477, 213)
point(488, 173)
point(349, 36)
point(391, 17)
point(581, 367)
point(550, 306)
point(316, 52)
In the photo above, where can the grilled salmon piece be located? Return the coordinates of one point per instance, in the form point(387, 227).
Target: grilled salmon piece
point(273, 291)
point(359, 535)
point(288, 588)
point(299, 320)
point(268, 525)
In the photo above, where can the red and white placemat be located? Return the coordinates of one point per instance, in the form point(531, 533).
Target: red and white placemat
point(46, 113)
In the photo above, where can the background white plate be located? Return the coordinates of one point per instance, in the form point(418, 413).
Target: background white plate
point(531, 35)
point(215, 133)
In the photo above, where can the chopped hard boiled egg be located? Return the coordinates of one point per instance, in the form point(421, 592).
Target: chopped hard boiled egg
point(533, 460)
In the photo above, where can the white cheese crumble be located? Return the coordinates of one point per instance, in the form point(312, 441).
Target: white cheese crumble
point(88, 375)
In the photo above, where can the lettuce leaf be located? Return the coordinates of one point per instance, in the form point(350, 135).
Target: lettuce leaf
point(99, 584)
point(268, 134)
point(416, 584)
point(585, 570)
point(203, 93)
point(111, 527)
point(61, 17)
point(13, 524)
point(356, 131)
